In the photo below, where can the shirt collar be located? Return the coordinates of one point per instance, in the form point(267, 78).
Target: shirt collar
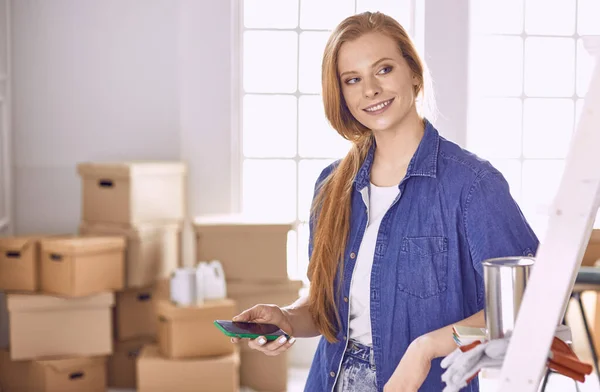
point(423, 162)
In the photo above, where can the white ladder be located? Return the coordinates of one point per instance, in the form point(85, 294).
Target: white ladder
point(558, 259)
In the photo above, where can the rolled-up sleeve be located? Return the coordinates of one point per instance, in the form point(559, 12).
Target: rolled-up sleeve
point(494, 224)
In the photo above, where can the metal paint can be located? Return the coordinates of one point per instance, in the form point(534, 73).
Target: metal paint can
point(505, 281)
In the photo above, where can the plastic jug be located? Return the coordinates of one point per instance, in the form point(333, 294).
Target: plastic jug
point(210, 281)
point(183, 286)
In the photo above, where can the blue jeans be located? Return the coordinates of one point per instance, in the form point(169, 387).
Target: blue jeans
point(358, 369)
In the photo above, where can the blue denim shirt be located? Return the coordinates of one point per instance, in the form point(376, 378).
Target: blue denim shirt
point(454, 210)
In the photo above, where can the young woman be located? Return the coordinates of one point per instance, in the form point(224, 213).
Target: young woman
point(399, 228)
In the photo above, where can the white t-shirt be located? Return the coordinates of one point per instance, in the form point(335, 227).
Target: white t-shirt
point(380, 200)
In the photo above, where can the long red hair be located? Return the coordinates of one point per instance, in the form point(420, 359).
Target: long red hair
point(331, 209)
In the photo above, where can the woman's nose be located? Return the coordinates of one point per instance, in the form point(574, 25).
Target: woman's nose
point(371, 88)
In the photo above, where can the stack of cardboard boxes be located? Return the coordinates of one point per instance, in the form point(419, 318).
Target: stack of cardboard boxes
point(91, 310)
point(58, 295)
point(144, 203)
point(59, 291)
point(191, 354)
point(253, 255)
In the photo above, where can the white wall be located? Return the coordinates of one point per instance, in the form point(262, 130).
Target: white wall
point(446, 53)
point(92, 80)
point(205, 61)
point(118, 79)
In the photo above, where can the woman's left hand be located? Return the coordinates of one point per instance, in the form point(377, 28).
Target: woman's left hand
point(412, 369)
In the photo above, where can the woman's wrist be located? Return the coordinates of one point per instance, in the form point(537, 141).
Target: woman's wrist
point(288, 315)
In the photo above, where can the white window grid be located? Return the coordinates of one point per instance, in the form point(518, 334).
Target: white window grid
point(304, 179)
point(531, 152)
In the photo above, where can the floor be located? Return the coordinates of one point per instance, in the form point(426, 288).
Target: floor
point(557, 383)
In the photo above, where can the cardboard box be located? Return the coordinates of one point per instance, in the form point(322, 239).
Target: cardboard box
point(158, 374)
point(43, 326)
point(248, 294)
point(57, 375)
point(248, 251)
point(133, 192)
point(135, 314)
point(162, 289)
point(264, 373)
point(3, 322)
point(19, 263)
point(592, 252)
point(153, 250)
point(80, 266)
point(187, 332)
point(122, 371)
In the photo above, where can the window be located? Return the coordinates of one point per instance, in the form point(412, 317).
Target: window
point(528, 76)
point(285, 139)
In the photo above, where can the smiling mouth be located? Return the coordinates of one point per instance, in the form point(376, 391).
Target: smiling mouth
point(379, 106)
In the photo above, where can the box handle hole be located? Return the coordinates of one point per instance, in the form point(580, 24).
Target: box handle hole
point(106, 183)
point(76, 376)
point(144, 297)
point(11, 254)
point(55, 257)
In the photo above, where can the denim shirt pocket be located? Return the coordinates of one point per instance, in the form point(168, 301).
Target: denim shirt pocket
point(423, 266)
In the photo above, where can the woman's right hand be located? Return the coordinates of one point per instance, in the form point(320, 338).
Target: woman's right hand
point(267, 314)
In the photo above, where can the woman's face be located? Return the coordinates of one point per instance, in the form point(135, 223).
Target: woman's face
point(377, 84)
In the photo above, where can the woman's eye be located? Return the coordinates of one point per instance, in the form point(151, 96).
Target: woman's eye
point(352, 81)
point(385, 70)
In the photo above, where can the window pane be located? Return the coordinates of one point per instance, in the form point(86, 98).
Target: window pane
point(495, 127)
point(397, 9)
point(548, 126)
point(269, 189)
point(497, 16)
point(270, 126)
point(540, 184)
point(324, 15)
point(317, 138)
point(511, 170)
point(597, 220)
point(270, 61)
point(585, 67)
point(261, 14)
point(550, 17)
point(312, 46)
point(587, 17)
point(497, 68)
point(541, 179)
point(309, 171)
point(549, 67)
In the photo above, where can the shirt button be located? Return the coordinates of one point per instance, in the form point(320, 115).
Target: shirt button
point(332, 374)
point(345, 299)
point(345, 338)
point(352, 255)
